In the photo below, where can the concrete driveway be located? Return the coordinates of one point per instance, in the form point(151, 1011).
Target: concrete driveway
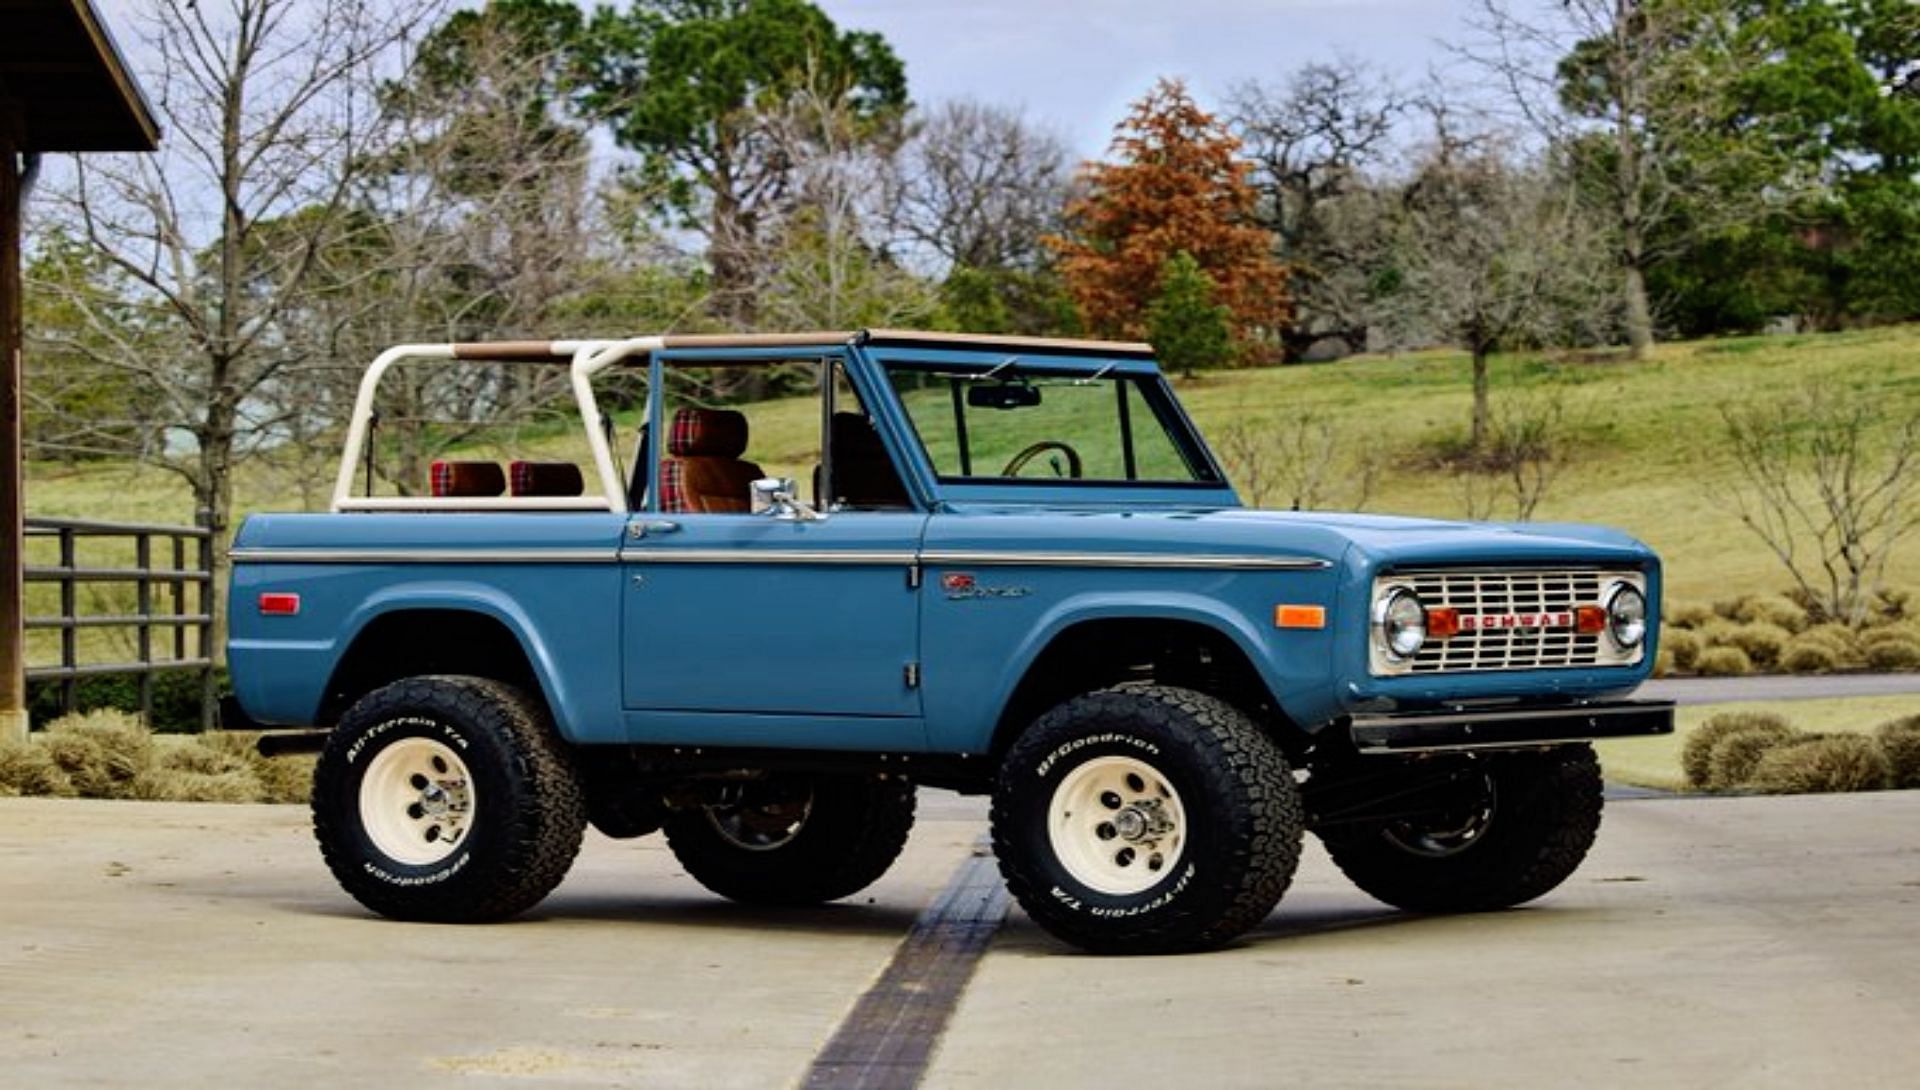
point(1707, 942)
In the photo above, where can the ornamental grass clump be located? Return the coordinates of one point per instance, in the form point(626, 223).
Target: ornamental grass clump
point(1733, 758)
point(26, 768)
point(1899, 739)
point(1771, 609)
point(1893, 654)
point(102, 751)
point(1696, 755)
point(1763, 642)
point(1823, 763)
point(1689, 614)
point(1804, 656)
point(1723, 662)
point(1683, 645)
point(108, 754)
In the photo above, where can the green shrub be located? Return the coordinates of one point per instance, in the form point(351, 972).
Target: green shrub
point(1804, 656)
point(1689, 614)
point(1696, 753)
point(1771, 609)
point(1900, 740)
point(1823, 763)
point(1894, 655)
point(1723, 662)
point(1762, 642)
point(1682, 644)
point(1732, 760)
point(26, 768)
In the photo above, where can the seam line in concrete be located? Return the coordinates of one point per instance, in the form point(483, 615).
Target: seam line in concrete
point(887, 1040)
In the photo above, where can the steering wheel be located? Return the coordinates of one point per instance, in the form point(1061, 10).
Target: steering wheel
point(1020, 460)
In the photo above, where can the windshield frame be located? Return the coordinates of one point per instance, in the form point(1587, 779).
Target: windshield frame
point(1208, 488)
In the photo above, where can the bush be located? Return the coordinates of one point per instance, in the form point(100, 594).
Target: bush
point(1823, 763)
point(1900, 740)
point(1733, 758)
point(1729, 608)
point(1892, 630)
point(1723, 662)
point(1839, 638)
point(100, 751)
point(1689, 614)
point(1696, 754)
point(1771, 609)
point(1894, 655)
point(176, 698)
point(1762, 642)
point(1683, 645)
point(1804, 656)
point(28, 769)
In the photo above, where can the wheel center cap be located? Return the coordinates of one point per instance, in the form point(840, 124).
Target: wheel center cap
point(1144, 820)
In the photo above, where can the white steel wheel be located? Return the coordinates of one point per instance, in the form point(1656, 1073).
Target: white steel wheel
point(1116, 825)
point(417, 801)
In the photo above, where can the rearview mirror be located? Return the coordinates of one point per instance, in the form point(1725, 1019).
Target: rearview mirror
point(1003, 396)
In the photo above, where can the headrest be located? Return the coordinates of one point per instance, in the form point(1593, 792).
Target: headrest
point(467, 479)
point(707, 433)
point(853, 436)
point(545, 479)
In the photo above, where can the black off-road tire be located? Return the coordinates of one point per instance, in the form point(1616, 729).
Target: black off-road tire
point(1541, 814)
point(510, 847)
point(1158, 751)
point(806, 839)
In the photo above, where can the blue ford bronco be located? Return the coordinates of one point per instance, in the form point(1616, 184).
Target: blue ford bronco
point(1000, 566)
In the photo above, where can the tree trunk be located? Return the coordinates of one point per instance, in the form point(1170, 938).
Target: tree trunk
point(1478, 439)
point(1639, 313)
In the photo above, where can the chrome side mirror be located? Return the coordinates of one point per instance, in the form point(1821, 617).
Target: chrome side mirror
point(777, 496)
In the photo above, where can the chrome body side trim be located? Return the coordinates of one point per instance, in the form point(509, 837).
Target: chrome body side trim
point(423, 556)
point(1124, 560)
point(851, 557)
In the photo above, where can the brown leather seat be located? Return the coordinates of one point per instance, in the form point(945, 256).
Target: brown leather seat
point(704, 472)
point(863, 474)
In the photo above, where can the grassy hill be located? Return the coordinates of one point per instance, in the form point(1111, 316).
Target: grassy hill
point(1648, 440)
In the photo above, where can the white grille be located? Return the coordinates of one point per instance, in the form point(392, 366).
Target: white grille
point(1511, 595)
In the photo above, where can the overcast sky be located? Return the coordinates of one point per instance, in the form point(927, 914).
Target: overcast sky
point(1076, 64)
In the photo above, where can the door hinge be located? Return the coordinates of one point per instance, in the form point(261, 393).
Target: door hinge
point(913, 675)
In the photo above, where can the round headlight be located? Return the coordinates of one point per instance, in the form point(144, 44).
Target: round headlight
point(1627, 616)
point(1401, 621)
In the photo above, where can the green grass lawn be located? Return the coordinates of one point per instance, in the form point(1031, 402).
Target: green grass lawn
point(1655, 762)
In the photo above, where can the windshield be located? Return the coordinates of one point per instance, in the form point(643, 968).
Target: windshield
point(1012, 423)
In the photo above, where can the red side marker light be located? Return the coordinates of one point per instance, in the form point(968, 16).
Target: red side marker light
point(279, 605)
point(1590, 619)
point(1443, 623)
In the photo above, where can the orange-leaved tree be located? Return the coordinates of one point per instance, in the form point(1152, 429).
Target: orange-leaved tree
point(1176, 187)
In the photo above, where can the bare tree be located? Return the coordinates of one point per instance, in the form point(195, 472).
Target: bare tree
point(1638, 92)
point(1489, 252)
point(269, 114)
point(1320, 142)
point(1827, 480)
point(978, 185)
point(1303, 462)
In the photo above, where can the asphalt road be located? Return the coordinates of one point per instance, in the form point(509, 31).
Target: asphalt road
point(1749, 942)
point(1733, 690)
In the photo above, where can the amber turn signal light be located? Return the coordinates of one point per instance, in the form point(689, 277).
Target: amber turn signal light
point(1443, 623)
point(1590, 620)
point(1299, 616)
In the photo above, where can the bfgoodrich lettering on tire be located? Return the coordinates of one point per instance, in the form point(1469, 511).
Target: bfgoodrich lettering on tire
point(447, 799)
point(1146, 819)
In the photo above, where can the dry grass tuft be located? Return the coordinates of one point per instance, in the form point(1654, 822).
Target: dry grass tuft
point(1732, 761)
point(1804, 656)
point(1723, 662)
point(1684, 645)
point(1696, 757)
point(1823, 763)
point(109, 755)
point(1772, 609)
point(1689, 614)
point(1894, 654)
point(1900, 740)
point(1763, 642)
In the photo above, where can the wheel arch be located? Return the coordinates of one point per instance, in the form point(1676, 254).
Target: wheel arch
point(448, 631)
point(1185, 644)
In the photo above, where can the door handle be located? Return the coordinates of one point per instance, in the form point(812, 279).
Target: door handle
point(638, 530)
